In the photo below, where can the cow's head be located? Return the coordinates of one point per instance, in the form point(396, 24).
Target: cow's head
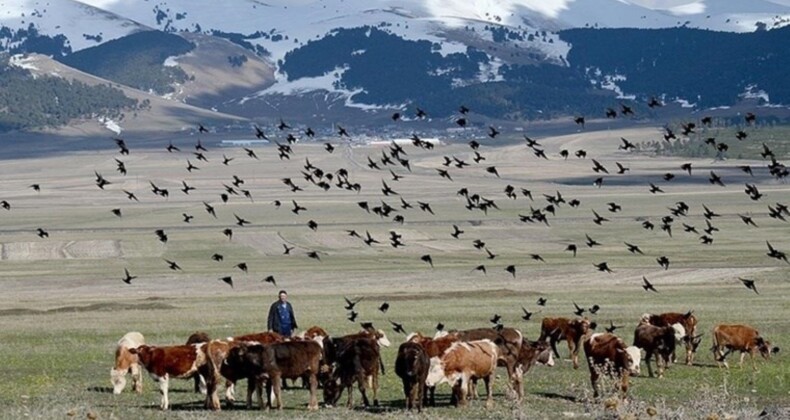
point(645, 318)
point(633, 358)
point(581, 325)
point(765, 347)
point(118, 379)
point(679, 332)
point(435, 372)
point(332, 390)
point(143, 353)
point(545, 355)
point(382, 339)
point(693, 342)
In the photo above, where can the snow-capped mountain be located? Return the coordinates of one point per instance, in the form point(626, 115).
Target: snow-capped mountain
point(388, 53)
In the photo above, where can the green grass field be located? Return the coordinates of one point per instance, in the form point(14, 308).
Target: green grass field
point(64, 305)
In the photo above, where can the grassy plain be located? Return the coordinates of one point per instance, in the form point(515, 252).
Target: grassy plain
point(64, 306)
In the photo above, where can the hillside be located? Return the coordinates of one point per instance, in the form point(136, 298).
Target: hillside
point(154, 114)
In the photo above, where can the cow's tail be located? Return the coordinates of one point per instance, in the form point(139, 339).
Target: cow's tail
point(381, 365)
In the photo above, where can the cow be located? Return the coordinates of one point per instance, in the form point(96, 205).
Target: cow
point(314, 333)
point(530, 354)
point(607, 354)
point(660, 341)
point(434, 347)
point(353, 359)
point(196, 338)
point(165, 362)
point(217, 350)
point(689, 323)
point(273, 362)
point(461, 363)
point(508, 342)
point(570, 330)
point(411, 365)
point(743, 338)
point(126, 362)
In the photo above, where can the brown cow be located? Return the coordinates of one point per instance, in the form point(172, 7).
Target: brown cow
point(572, 331)
point(607, 354)
point(217, 350)
point(162, 363)
point(411, 365)
point(126, 362)
point(689, 323)
point(660, 341)
point(462, 362)
point(743, 338)
point(434, 347)
point(530, 354)
point(196, 338)
point(272, 363)
point(354, 359)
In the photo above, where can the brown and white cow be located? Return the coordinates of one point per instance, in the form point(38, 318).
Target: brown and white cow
point(508, 342)
point(434, 347)
point(411, 365)
point(461, 363)
point(163, 363)
point(689, 323)
point(660, 341)
point(274, 362)
point(570, 330)
point(126, 362)
point(743, 338)
point(607, 354)
point(352, 359)
point(196, 338)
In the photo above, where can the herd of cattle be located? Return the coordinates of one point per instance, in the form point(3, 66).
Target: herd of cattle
point(458, 358)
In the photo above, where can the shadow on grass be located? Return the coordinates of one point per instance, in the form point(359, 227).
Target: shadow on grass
point(556, 396)
point(100, 389)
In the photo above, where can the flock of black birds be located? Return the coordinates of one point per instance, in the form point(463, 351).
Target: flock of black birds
point(396, 158)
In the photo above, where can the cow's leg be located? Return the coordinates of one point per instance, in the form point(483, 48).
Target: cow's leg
point(375, 385)
point(489, 390)
point(251, 388)
point(432, 398)
point(472, 389)
point(420, 395)
point(594, 375)
point(572, 349)
point(313, 379)
point(553, 344)
point(230, 396)
point(518, 382)
point(463, 390)
point(163, 385)
point(648, 357)
point(408, 392)
point(212, 399)
point(362, 390)
point(137, 378)
point(689, 353)
point(259, 387)
point(277, 380)
point(350, 398)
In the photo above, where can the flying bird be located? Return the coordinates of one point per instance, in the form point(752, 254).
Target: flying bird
point(270, 279)
point(749, 284)
point(128, 277)
point(427, 258)
point(227, 280)
point(647, 285)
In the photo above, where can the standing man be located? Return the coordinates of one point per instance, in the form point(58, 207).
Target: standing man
point(281, 316)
